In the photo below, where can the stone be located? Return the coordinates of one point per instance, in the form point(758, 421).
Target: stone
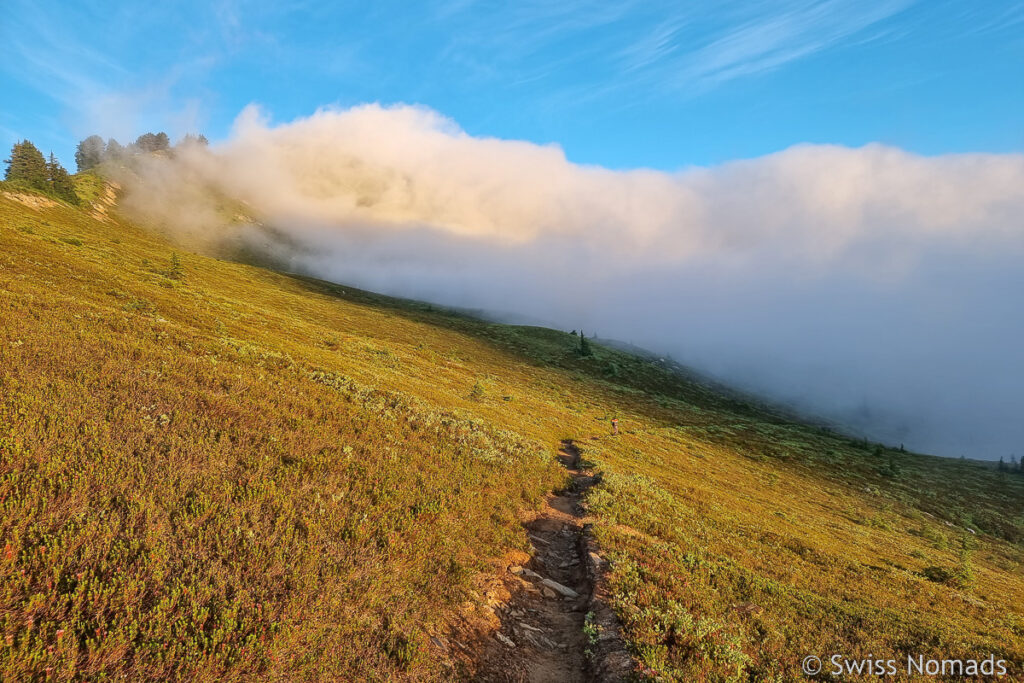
point(526, 573)
point(564, 590)
point(540, 641)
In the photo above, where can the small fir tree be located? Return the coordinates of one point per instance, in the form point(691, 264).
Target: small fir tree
point(176, 272)
point(584, 348)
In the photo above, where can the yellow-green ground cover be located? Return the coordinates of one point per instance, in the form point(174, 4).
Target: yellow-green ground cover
point(214, 471)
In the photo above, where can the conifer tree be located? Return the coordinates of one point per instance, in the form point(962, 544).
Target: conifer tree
point(145, 142)
point(27, 167)
point(62, 185)
point(190, 140)
point(114, 150)
point(584, 349)
point(150, 142)
point(89, 153)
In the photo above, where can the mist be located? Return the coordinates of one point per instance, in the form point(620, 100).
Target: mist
point(872, 287)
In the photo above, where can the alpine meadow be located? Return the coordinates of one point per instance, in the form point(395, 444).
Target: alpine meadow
point(514, 343)
point(220, 472)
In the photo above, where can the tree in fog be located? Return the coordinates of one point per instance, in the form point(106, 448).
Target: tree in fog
point(89, 153)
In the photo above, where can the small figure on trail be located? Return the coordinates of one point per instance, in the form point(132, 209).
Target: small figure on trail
point(615, 425)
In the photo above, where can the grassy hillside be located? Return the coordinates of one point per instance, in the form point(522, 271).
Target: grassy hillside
point(213, 471)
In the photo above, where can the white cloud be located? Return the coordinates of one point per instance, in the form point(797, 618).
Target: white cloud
point(871, 285)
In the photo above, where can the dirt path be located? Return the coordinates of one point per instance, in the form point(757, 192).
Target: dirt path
point(542, 635)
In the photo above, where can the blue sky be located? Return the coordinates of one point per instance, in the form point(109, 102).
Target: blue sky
point(623, 84)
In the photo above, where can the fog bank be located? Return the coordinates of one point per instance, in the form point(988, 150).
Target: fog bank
point(871, 286)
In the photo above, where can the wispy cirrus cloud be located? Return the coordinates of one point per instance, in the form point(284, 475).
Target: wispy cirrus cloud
point(581, 53)
point(693, 51)
point(76, 64)
point(51, 56)
point(637, 46)
point(767, 39)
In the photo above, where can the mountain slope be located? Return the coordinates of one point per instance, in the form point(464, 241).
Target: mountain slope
point(217, 471)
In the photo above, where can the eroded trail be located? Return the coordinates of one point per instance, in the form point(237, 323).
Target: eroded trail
point(542, 635)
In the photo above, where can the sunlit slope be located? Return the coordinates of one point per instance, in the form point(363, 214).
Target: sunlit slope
point(215, 471)
point(206, 469)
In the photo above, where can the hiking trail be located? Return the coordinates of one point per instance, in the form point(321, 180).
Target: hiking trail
point(542, 637)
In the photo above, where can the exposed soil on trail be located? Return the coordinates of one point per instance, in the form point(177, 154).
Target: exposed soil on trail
point(542, 636)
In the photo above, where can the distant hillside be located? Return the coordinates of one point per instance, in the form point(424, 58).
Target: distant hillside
point(214, 471)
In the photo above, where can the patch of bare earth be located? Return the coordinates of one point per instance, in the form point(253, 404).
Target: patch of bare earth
point(32, 201)
point(105, 201)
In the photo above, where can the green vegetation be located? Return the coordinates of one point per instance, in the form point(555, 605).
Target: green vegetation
point(27, 169)
point(88, 186)
point(214, 471)
point(584, 350)
point(61, 184)
point(92, 151)
point(153, 142)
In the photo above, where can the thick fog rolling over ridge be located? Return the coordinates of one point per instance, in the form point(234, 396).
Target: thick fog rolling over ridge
point(870, 286)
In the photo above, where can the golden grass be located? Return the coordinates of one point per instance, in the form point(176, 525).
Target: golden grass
point(219, 472)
